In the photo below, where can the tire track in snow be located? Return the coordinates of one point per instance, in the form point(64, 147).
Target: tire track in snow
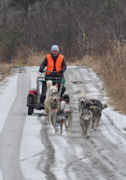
point(6, 87)
point(118, 131)
point(105, 158)
point(89, 165)
point(1, 175)
point(82, 163)
point(31, 146)
point(12, 132)
point(104, 165)
point(48, 155)
point(71, 156)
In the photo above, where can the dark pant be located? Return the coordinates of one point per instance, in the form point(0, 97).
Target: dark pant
point(44, 89)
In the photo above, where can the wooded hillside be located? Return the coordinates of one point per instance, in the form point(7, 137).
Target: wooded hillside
point(78, 26)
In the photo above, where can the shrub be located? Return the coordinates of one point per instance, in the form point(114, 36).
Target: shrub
point(9, 41)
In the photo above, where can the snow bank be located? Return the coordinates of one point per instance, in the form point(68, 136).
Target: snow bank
point(8, 90)
point(118, 120)
point(1, 177)
point(31, 149)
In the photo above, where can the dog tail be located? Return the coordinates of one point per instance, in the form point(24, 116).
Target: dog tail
point(49, 84)
point(104, 106)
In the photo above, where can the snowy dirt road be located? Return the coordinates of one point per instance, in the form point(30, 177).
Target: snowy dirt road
point(29, 148)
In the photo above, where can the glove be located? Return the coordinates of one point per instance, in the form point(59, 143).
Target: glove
point(61, 72)
point(41, 71)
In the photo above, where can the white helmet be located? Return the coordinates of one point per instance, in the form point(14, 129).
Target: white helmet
point(55, 48)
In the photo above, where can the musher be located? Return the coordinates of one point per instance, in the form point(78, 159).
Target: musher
point(56, 66)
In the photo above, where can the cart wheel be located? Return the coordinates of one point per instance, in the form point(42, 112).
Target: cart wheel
point(30, 110)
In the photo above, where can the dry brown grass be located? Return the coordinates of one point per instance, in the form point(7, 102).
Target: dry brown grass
point(25, 57)
point(5, 70)
point(112, 70)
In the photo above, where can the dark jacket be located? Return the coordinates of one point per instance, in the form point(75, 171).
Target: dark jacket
point(44, 64)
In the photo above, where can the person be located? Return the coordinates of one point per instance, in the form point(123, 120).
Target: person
point(56, 66)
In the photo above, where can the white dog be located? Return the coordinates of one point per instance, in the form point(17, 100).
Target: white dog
point(52, 100)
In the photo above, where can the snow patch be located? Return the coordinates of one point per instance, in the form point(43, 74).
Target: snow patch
point(1, 176)
point(31, 149)
point(61, 148)
point(119, 120)
point(8, 91)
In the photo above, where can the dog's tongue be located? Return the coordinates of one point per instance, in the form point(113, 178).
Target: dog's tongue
point(68, 112)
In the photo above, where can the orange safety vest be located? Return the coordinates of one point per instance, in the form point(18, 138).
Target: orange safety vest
point(50, 63)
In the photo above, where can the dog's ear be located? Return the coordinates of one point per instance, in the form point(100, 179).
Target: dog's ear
point(56, 85)
point(81, 112)
point(49, 84)
point(82, 93)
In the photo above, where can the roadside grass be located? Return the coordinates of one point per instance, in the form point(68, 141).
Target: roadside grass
point(27, 57)
point(112, 70)
point(5, 70)
point(23, 58)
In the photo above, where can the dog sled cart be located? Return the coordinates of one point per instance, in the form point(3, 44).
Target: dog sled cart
point(33, 98)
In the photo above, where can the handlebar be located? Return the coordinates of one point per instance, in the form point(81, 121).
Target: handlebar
point(54, 79)
point(51, 72)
